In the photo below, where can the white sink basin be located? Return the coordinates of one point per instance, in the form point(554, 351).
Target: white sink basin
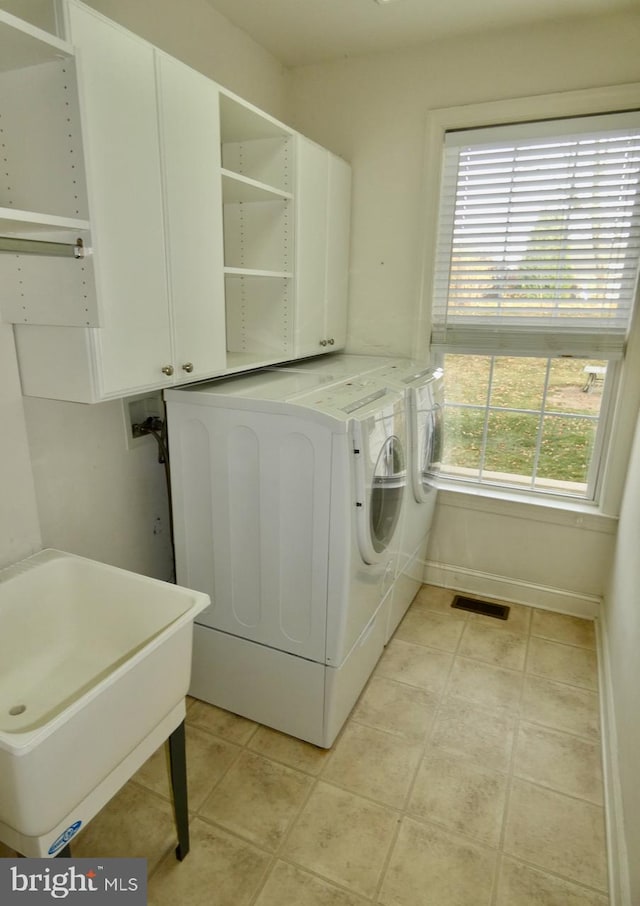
point(92, 659)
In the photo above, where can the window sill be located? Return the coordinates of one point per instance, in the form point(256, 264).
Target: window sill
point(553, 510)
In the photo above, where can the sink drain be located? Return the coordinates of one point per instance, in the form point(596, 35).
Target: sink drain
point(17, 709)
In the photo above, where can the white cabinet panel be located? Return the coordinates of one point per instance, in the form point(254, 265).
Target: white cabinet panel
point(323, 200)
point(193, 202)
point(338, 235)
point(120, 129)
point(312, 167)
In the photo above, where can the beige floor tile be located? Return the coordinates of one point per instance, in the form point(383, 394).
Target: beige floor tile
point(562, 628)
point(219, 869)
point(207, 760)
point(430, 867)
point(495, 646)
point(485, 684)
point(467, 729)
point(342, 837)
point(521, 885)
point(558, 834)
point(396, 708)
point(436, 630)
point(135, 824)
point(290, 886)
point(560, 706)
point(563, 663)
point(229, 726)
point(519, 619)
point(374, 763)
point(432, 597)
point(258, 799)
point(416, 665)
point(559, 761)
point(461, 795)
point(290, 751)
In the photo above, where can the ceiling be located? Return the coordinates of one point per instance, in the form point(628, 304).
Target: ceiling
point(298, 32)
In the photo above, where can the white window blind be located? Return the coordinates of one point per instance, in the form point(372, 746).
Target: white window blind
point(539, 237)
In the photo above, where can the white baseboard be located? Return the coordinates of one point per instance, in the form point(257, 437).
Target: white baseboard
point(619, 884)
point(514, 590)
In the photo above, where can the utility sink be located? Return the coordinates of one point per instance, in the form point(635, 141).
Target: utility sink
point(95, 663)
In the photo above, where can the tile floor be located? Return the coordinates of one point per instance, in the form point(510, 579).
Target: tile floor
point(468, 774)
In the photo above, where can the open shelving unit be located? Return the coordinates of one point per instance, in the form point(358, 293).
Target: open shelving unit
point(257, 190)
point(43, 196)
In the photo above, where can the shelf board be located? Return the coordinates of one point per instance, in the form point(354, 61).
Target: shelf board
point(238, 188)
point(23, 44)
point(13, 222)
point(252, 272)
point(240, 121)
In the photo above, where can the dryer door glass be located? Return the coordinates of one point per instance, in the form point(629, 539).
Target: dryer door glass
point(389, 479)
point(430, 453)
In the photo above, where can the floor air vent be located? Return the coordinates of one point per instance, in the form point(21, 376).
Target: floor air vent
point(499, 611)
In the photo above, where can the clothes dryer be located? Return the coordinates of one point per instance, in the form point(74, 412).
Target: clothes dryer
point(423, 387)
point(287, 494)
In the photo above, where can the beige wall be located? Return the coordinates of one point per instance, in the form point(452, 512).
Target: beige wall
point(372, 111)
point(19, 528)
point(622, 623)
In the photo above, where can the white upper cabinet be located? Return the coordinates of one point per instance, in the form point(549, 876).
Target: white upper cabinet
point(182, 232)
point(323, 200)
point(151, 136)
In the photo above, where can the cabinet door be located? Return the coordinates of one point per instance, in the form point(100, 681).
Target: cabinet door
point(117, 91)
point(190, 133)
point(338, 230)
point(312, 164)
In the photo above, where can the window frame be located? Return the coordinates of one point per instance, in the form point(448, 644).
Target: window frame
point(618, 421)
point(601, 440)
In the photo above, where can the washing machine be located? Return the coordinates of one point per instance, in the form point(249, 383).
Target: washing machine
point(288, 493)
point(423, 387)
point(424, 390)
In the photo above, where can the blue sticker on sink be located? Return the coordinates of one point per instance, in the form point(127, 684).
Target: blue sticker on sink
point(64, 837)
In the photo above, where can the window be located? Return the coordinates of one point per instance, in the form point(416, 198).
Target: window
point(538, 243)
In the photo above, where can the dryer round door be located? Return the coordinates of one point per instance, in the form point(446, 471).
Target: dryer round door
point(379, 512)
point(426, 442)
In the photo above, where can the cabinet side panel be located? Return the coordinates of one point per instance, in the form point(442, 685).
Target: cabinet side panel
point(259, 316)
point(43, 290)
point(257, 235)
point(42, 149)
point(268, 160)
